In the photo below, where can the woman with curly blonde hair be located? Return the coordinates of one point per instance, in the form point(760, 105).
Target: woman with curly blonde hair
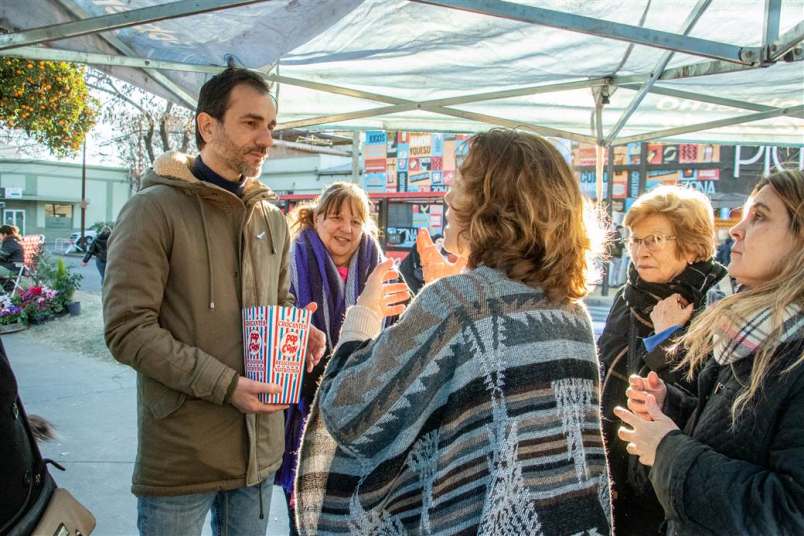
point(478, 411)
point(736, 468)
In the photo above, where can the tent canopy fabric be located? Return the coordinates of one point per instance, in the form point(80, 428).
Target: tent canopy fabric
point(395, 64)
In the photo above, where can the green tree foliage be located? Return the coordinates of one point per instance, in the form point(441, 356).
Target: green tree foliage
point(47, 100)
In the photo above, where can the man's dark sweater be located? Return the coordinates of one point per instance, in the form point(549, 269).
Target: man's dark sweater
point(206, 174)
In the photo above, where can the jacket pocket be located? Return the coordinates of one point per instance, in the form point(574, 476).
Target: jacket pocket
point(161, 401)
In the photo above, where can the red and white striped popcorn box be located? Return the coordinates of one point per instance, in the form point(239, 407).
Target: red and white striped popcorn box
point(274, 345)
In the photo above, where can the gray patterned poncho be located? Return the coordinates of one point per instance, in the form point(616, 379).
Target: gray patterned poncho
point(477, 413)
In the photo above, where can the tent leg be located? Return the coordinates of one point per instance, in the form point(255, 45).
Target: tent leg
point(609, 211)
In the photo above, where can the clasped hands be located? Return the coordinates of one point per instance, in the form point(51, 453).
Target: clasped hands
point(648, 425)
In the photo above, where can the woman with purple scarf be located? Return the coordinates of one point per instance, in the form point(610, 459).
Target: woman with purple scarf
point(332, 255)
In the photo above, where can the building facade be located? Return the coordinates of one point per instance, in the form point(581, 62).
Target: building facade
point(304, 172)
point(43, 197)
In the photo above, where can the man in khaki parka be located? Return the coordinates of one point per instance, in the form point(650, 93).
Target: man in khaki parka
point(198, 243)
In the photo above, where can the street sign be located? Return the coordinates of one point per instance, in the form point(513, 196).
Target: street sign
point(12, 193)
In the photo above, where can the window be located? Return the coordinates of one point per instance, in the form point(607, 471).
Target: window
point(400, 214)
point(58, 216)
point(53, 210)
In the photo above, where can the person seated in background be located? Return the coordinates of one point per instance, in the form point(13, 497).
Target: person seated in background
point(672, 241)
point(478, 411)
point(738, 465)
point(11, 254)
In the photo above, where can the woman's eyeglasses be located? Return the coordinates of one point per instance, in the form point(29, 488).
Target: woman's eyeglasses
point(653, 242)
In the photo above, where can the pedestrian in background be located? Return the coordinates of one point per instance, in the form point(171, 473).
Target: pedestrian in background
point(616, 256)
point(724, 251)
point(98, 250)
point(672, 243)
point(738, 465)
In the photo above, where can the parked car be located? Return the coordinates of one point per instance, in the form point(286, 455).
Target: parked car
point(75, 245)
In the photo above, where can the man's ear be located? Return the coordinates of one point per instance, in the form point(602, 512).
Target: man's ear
point(206, 124)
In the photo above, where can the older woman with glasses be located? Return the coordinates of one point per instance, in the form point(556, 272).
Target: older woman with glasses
point(672, 243)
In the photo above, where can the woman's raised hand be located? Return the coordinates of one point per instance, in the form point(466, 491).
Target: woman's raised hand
point(434, 265)
point(381, 296)
point(671, 311)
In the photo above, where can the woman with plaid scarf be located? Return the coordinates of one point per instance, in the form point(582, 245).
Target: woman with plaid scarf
point(737, 466)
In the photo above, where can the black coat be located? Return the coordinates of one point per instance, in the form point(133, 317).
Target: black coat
point(742, 480)
point(11, 251)
point(98, 248)
point(622, 353)
point(26, 484)
point(411, 270)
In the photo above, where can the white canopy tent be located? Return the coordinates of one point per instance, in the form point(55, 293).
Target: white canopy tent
point(605, 71)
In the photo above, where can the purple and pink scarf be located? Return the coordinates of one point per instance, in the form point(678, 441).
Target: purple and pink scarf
point(315, 278)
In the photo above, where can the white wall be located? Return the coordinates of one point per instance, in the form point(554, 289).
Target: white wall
point(58, 187)
point(9, 180)
point(96, 195)
point(120, 194)
point(300, 174)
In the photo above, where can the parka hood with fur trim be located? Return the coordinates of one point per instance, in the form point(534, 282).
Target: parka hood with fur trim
point(185, 258)
point(174, 169)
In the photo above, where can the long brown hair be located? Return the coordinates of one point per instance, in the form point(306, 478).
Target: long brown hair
point(10, 230)
point(786, 288)
point(525, 215)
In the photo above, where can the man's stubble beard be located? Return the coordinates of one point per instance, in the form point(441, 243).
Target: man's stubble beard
point(235, 157)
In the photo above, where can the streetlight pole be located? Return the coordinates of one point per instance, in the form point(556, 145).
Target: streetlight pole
point(84, 191)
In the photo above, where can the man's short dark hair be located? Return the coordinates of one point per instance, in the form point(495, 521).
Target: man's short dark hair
point(214, 96)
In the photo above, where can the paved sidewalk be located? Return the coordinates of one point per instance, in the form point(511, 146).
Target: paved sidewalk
point(92, 404)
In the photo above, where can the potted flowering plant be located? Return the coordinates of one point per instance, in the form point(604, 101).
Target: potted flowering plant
point(63, 280)
point(38, 303)
point(11, 316)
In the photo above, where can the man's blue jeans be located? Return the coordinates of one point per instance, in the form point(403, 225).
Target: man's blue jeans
point(234, 513)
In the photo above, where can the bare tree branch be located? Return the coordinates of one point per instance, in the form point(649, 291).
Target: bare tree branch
point(145, 125)
point(185, 139)
point(163, 127)
point(112, 89)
